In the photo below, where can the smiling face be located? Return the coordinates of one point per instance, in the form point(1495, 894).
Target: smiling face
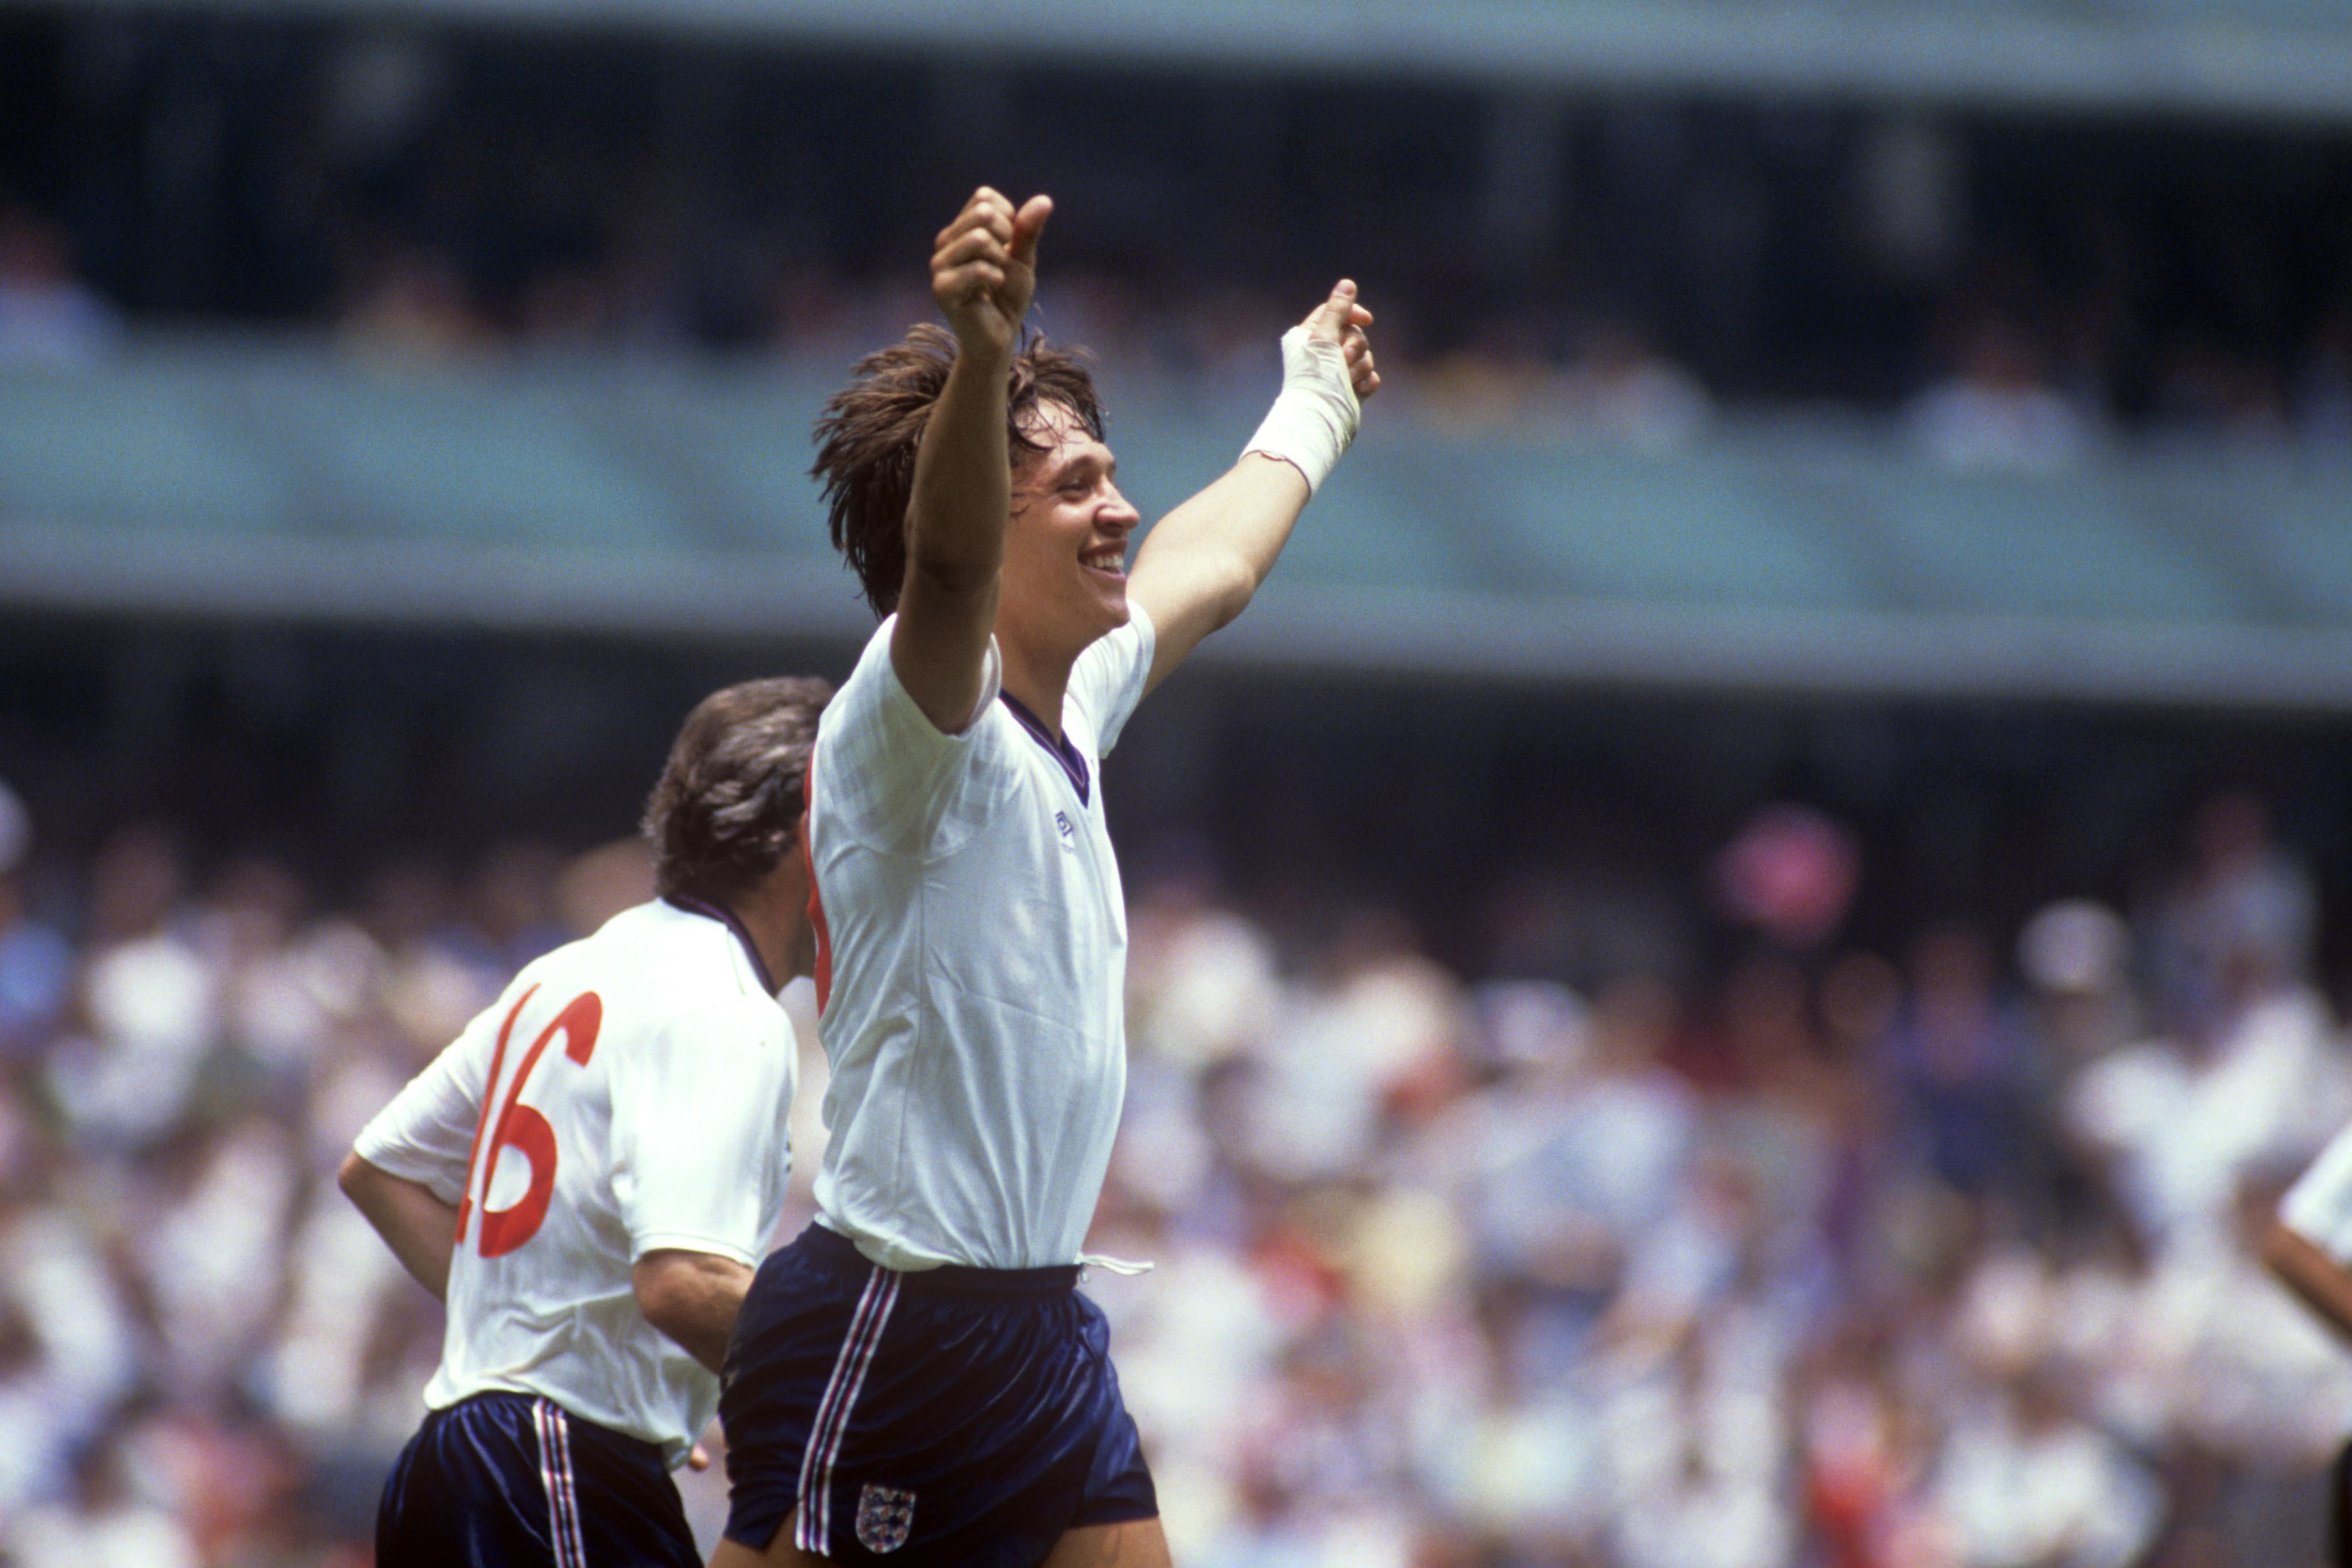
point(1065, 579)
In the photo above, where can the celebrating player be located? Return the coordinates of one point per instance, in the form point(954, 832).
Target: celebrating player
point(589, 1173)
point(917, 1374)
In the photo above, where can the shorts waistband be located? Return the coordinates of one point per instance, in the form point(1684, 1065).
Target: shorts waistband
point(955, 1279)
point(511, 1405)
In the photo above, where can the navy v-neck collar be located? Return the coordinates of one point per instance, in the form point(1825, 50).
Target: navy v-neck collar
point(1073, 764)
point(726, 916)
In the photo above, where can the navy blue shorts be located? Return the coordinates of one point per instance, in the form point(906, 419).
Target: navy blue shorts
point(501, 1480)
point(954, 1416)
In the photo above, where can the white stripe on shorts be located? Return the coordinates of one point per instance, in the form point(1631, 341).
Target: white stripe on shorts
point(555, 1475)
point(815, 1526)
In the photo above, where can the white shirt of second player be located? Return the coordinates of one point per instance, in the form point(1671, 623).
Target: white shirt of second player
point(627, 1094)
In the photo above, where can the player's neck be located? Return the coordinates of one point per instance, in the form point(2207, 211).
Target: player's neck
point(775, 944)
point(775, 915)
point(1037, 682)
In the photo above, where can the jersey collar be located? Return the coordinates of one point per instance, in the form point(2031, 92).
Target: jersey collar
point(726, 916)
point(1073, 763)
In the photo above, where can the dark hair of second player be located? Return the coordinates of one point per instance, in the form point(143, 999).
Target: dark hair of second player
point(727, 809)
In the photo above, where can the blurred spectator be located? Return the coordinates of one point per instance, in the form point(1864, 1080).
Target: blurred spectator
point(1619, 391)
point(2076, 959)
point(1626, 394)
point(150, 1000)
point(49, 316)
point(1490, 384)
point(35, 963)
point(1384, 1021)
point(419, 307)
point(1200, 979)
point(2076, 955)
point(2251, 1062)
point(2207, 388)
point(2000, 411)
point(1960, 1057)
point(511, 910)
point(2237, 925)
point(566, 304)
point(2024, 1480)
point(2183, 1127)
point(1580, 1155)
point(114, 1519)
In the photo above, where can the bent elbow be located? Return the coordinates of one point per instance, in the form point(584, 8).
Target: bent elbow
point(692, 1298)
point(679, 1315)
point(667, 1295)
point(663, 1313)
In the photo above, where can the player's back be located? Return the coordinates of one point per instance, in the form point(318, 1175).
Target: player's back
point(627, 1094)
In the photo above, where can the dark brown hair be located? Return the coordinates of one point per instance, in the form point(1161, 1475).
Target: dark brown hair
point(870, 429)
point(727, 809)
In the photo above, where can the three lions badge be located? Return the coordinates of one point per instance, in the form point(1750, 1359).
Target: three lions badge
point(885, 1515)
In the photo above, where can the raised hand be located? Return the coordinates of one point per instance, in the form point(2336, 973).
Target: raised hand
point(984, 268)
point(1340, 319)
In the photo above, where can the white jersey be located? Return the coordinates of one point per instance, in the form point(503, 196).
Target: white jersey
point(626, 1094)
point(975, 934)
point(2319, 1206)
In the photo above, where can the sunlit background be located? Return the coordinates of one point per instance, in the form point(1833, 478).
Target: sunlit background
point(1724, 967)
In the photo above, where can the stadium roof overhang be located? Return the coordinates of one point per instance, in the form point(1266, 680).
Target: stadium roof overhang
point(669, 500)
point(1311, 629)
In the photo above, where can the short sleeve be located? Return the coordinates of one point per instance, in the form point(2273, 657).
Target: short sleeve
point(1107, 680)
point(2319, 1206)
point(882, 770)
point(698, 1134)
point(426, 1133)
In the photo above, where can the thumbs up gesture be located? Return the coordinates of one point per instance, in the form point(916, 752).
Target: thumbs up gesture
point(984, 268)
point(1340, 319)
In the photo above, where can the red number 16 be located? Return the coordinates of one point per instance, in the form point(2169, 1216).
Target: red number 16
point(521, 1127)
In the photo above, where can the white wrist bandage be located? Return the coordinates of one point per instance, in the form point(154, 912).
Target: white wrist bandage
point(1315, 417)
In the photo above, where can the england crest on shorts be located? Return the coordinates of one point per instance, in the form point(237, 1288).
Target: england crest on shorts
point(885, 1515)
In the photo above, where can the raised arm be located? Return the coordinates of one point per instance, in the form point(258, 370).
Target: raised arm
point(1202, 565)
point(983, 270)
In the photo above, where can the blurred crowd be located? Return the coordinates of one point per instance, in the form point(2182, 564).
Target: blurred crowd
point(1935, 1259)
point(2019, 293)
point(1838, 1259)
